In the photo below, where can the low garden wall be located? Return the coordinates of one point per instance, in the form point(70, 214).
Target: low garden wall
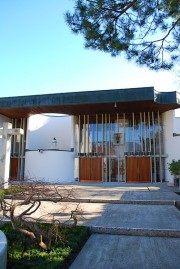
point(3, 250)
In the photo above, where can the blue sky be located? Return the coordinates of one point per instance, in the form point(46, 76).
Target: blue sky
point(39, 55)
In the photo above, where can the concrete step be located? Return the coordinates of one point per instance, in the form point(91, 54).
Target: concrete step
point(149, 220)
point(102, 200)
point(136, 231)
point(131, 202)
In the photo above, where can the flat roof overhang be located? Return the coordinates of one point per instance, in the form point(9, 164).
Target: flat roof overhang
point(90, 102)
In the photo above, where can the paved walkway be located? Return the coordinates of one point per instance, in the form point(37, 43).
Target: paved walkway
point(133, 225)
point(128, 252)
point(144, 233)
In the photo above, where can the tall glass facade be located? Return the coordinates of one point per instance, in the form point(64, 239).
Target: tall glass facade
point(114, 138)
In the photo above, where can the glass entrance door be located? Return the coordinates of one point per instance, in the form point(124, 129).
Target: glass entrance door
point(118, 137)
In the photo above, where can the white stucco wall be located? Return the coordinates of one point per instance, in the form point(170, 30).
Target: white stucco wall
point(2, 120)
point(171, 143)
point(177, 125)
point(42, 162)
point(50, 166)
point(42, 129)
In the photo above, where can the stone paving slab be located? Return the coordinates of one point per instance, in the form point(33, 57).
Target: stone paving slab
point(117, 192)
point(146, 197)
point(153, 198)
point(106, 192)
point(122, 216)
point(128, 252)
point(114, 215)
point(124, 191)
point(132, 216)
point(150, 196)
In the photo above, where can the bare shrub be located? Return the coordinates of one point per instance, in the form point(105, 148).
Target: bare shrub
point(20, 207)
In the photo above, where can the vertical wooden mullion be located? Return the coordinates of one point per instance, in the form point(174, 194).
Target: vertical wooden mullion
point(87, 130)
point(84, 133)
point(124, 119)
point(160, 151)
point(133, 136)
point(154, 149)
point(109, 148)
point(21, 172)
point(141, 133)
point(13, 138)
point(106, 148)
point(145, 146)
point(19, 153)
point(149, 123)
point(102, 145)
point(96, 133)
point(79, 134)
point(118, 175)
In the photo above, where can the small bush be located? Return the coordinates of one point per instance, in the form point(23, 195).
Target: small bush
point(174, 167)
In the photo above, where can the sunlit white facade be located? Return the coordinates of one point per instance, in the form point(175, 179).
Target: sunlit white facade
point(121, 143)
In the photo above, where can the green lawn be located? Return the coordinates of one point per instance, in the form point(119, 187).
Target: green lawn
point(22, 255)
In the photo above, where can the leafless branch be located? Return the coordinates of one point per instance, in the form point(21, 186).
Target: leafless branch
point(20, 212)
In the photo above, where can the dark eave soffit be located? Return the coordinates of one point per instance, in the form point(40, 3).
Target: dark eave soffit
point(90, 102)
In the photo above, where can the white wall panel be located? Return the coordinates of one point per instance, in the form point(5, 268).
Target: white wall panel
point(172, 143)
point(50, 166)
point(42, 129)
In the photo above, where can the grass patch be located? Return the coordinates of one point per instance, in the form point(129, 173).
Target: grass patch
point(15, 189)
point(22, 255)
point(1, 194)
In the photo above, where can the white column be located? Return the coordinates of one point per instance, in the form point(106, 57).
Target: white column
point(6, 133)
point(5, 155)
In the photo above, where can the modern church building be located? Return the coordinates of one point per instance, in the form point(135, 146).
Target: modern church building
point(121, 135)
